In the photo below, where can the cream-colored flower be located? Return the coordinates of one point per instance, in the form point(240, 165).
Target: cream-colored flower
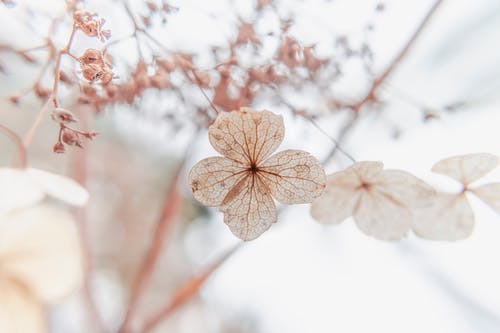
point(450, 217)
point(244, 181)
point(24, 187)
point(380, 201)
point(40, 262)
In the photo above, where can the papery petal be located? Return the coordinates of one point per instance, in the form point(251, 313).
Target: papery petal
point(17, 190)
point(409, 190)
point(40, 248)
point(366, 170)
point(20, 312)
point(340, 198)
point(449, 217)
point(381, 215)
point(490, 194)
point(246, 135)
point(466, 168)
point(212, 178)
point(59, 187)
point(293, 176)
point(249, 209)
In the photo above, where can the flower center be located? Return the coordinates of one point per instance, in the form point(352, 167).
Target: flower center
point(253, 168)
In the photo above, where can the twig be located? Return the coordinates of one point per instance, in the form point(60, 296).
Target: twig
point(370, 96)
point(170, 209)
point(21, 156)
point(186, 291)
point(53, 96)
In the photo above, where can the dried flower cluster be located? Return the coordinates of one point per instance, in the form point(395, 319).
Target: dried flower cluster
point(91, 24)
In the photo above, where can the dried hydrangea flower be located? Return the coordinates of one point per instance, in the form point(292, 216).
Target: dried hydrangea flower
point(40, 262)
point(381, 201)
point(450, 217)
point(244, 181)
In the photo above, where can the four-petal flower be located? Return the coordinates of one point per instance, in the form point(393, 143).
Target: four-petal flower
point(244, 181)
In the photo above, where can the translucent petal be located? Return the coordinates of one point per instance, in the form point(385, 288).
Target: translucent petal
point(382, 216)
point(293, 176)
point(212, 178)
point(407, 189)
point(249, 209)
point(366, 170)
point(19, 310)
point(39, 247)
point(466, 168)
point(59, 187)
point(17, 190)
point(490, 194)
point(340, 198)
point(246, 135)
point(449, 217)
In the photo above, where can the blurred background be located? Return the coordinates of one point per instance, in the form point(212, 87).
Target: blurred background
point(441, 98)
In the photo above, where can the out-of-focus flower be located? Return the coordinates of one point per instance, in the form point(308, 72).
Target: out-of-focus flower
point(450, 217)
point(244, 181)
point(40, 262)
point(25, 187)
point(381, 201)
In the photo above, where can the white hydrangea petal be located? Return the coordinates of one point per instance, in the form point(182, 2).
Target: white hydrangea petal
point(490, 194)
point(366, 170)
point(293, 176)
point(39, 246)
point(249, 209)
point(59, 187)
point(448, 217)
point(406, 188)
point(17, 190)
point(19, 310)
point(382, 216)
point(339, 199)
point(466, 168)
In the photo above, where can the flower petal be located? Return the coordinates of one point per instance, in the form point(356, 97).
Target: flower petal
point(212, 178)
point(366, 170)
point(39, 247)
point(19, 310)
point(246, 135)
point(59, 187)
point(17, 190)
point(449, 217)
point(407, 189)
point(293, 176)
point(382, 216)
point(466, 168)
point(340, 197)
point(490, 194)
point(249, 209)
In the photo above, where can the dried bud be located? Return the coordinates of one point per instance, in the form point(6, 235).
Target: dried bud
point(71, 137)
point(41, 91)
point(14, 99)
point(61, 115)
point(59, 148)
point(63, 77)
point(92, 56)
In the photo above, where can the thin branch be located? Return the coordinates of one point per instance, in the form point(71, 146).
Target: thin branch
point(21, 156)
point(187, 291)
point(171, 205)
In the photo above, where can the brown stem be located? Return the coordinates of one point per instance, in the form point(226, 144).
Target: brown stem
point(81, 176)
point(170, 208)
point(53, 96)
point(187, 291)
point(21, 156)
